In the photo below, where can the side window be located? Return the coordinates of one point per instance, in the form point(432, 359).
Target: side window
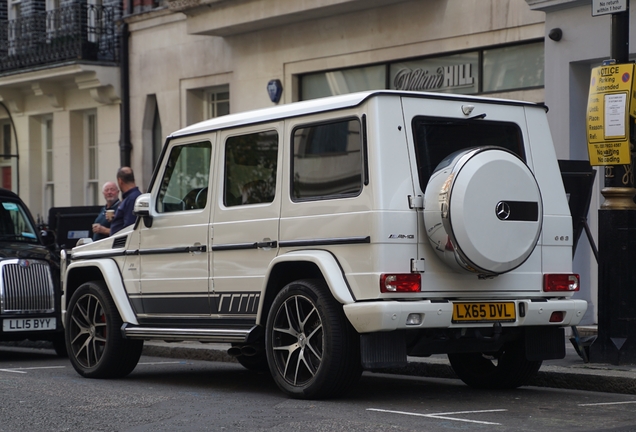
point(327, 161)
point(250, 168)
point(184, 185)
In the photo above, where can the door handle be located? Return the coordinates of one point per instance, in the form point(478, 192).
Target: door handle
point(267, 244)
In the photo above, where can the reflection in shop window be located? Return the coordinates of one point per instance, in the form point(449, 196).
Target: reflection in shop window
point(514, 67)
point(327, 161)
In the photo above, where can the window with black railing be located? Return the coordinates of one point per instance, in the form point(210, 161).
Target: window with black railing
point(72, 32)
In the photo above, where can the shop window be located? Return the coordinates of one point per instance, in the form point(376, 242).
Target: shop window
point(250, 168)
point(514, 67)
point(509, 68)
point(327, 161)
point(344, 81)
point(449, 74)
point(184, 185)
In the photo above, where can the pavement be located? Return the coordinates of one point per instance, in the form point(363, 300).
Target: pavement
point(571, 372)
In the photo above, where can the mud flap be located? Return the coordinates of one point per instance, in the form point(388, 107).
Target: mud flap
point(382, 350)
point(545, 343)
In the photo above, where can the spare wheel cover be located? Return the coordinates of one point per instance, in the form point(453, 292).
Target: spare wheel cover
point(494, 210)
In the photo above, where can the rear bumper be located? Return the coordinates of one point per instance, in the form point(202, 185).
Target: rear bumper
point(392, 315)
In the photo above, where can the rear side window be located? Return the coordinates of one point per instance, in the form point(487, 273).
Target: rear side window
point(327, 161)
point(436, 138)
point(250, 168)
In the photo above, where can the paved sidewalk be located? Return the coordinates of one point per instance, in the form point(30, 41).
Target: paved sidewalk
point(568, 373)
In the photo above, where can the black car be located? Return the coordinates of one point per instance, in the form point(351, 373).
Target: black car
point(29, 277)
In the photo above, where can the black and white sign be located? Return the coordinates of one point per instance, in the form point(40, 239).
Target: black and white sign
point(604, 7)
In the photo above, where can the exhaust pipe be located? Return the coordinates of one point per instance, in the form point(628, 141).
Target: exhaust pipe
point(234, 351)
point(245, 350)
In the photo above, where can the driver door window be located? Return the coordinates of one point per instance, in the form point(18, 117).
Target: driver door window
point(185, 181)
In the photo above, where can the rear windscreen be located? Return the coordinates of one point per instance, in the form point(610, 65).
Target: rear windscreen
point(435, 138)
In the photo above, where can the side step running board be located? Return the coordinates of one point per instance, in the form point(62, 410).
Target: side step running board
point(194, 334)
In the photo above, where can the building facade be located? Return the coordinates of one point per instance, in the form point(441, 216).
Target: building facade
point(59, 94)
point(195, 59)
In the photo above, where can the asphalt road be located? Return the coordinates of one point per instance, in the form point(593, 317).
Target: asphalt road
point(41, 392)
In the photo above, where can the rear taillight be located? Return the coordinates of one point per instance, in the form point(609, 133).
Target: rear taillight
point(561, 282)
point(403, 282)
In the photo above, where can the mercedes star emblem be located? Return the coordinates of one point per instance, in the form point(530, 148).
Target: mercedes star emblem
point(502, 210)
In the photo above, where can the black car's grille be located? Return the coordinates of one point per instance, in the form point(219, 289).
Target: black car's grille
point(26, 286)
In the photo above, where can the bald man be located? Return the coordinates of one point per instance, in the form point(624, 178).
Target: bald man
point(124, 215)
point(101, 226)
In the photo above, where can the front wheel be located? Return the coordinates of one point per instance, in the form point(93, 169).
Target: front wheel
point(312, 350)
point(93, 337)
point(506, 369)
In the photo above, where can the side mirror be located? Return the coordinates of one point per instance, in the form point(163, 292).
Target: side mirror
point(142, 207)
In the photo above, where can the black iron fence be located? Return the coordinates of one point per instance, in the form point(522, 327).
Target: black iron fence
point(73, 32)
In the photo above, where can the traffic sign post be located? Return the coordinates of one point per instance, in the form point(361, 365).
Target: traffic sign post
point(611, 111)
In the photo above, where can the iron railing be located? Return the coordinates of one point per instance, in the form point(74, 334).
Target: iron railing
point(73, 32)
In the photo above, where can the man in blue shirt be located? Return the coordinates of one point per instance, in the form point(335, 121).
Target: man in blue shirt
point(124, 214)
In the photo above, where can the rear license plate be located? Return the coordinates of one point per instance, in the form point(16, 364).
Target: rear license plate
point(28, 324)
point(484, 312)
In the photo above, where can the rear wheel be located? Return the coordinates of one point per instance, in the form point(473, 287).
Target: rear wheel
point(312, 350)
point(94, 341)
point(508, 368)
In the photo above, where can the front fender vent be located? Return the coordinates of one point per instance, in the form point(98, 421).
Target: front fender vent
point(120, 242)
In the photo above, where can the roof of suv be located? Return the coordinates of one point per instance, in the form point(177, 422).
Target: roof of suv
point(322, 105)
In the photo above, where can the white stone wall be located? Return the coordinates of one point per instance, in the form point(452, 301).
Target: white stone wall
point(168, 60)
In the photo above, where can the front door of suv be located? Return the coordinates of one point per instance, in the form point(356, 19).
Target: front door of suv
point(245, 219)
point(174, 250)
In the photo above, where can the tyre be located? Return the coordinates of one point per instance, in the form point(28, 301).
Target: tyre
point(312, 350)
point(93, 338)
point(508, 368)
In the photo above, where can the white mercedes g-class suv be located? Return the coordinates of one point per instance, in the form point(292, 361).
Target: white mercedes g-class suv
point(327, 237)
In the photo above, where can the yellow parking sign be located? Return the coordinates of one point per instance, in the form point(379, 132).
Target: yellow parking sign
point(609, 106)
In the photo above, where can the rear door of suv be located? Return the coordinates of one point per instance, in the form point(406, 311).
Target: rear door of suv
point(246, 217)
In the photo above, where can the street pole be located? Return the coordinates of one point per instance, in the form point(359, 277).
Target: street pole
point(616, 340)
